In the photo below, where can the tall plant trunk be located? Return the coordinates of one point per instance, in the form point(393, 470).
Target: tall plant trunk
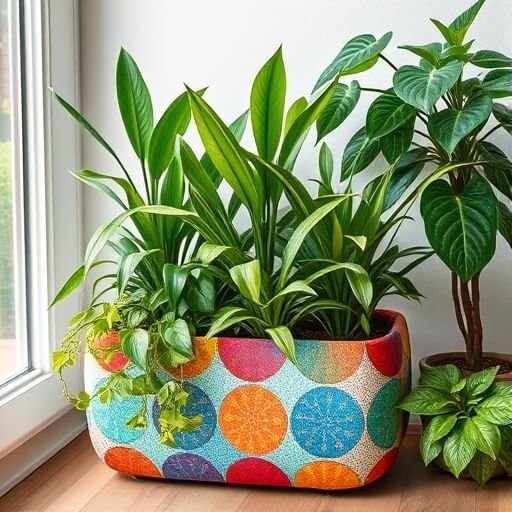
point(466, 300)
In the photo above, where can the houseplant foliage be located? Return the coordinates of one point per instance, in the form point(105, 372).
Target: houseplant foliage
point(448, 107)
point(470, 421)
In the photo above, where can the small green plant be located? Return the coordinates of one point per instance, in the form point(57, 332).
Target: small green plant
point(470, 420)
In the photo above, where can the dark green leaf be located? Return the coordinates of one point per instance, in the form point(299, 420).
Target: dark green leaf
point(505, 222)
point(429, 448)
point(443, 378)
point(134, 103)
point(498, 83)
point(423, 89)
point(176, 335)
point(359, 54)
point(430, 52)
point(175, 279)
point(395, 144)
point(359, 153)
point(460, 25)
point(341, 104)
point(491, 59)
point(200, 294)
point(135, 344)
point(503, 115)
point(497, 167)
point(482, 468)
point(461, 228)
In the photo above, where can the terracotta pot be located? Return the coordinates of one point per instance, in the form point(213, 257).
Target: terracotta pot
point(444, 358)
point(330, 422)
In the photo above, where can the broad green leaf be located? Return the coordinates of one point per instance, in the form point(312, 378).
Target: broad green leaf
point(497, 167)
point(360, 241)
point(267, 105)
point(457, 450)
point(341, 104)
point(359, 54)
point(283, 338)
point(296, 287)
point(457, 52)
point(295, 110)
point(135, 344)
point(498, 83)
point(247, 278)
point(430, 52)
point(396, 144)
point(134, 103)
point(478, 383)
point(491, 59)
point(298, 131)
point(175, 279)
point(496, 410)
point(210, 252)
point(176, 335)
point(387, 113)
point(505, 222)
point(362, 288)
point(463, 22)
point(482, 468)
point(503, 115)
point(359, 153)
point(301, 232)
point(173, 122)
point(483, 435)
point(461, 228)
point(445, 31)
point(422, 88)
point(326, 166)
point(227, 317)
point(200, 294)
point(506, 448)
point(225, 152)
point(429, 402)
point(440, 426)
point(429, 449)
point(127, 267)
point(449, 126)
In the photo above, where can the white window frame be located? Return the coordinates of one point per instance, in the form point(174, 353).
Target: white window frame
point(51, 143)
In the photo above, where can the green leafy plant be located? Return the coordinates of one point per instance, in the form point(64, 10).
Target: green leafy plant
point(469, 420)
point(447, 107)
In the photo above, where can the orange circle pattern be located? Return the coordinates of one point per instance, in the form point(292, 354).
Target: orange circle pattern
point(253, 420)
point(327, 475)
point(204, 351)
point(130, 461)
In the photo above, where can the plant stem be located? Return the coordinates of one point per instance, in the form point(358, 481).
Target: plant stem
point(372, 89)
point(477, 359)
point(456, 303)
point(492, 130)
point(423, 134)
point(468, 313)
point(385, 59)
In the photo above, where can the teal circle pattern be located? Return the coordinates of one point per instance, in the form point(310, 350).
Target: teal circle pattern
point(383, 416)
point(111, 418)
point(327, 422)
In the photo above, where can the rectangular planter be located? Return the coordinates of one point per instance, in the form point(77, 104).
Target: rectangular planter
point(330, 422)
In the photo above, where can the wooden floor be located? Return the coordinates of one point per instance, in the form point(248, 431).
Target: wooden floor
point(76, 480)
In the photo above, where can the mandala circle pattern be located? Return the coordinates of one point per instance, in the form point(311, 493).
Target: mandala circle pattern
point(252, 360)
point(198, 404)
point(257, 472)
point(204, 351)
point(327, 475)
point(253, 420)
point(327, 422)
point(188, 466)
point(328, 362)
point(130, 461)
point(111, 418)
point(383, 416)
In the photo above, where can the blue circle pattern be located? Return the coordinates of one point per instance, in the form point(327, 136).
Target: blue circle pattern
point(111, 418)
point(198, 404)
point(327, 422)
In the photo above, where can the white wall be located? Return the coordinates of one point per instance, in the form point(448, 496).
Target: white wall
point(223, 43)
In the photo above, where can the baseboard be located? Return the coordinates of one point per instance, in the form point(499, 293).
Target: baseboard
point(18, 464)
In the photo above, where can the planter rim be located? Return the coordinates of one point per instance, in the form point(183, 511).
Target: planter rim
point(397, 318)
point(429, 361)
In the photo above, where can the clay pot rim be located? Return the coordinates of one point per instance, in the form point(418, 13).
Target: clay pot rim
point(429, 361)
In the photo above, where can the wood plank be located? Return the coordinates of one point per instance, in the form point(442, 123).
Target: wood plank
point(496, 496)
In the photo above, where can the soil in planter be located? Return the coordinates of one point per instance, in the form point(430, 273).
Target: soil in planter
point(309, 330)
point(488, 362)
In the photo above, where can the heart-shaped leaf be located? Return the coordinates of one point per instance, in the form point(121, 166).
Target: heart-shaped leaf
point(358, 55)
point(176, 335)
point(461, 24)
point(340, 106)
point(387, 113)
point(267, 105)
point(461, 228)
point(396, 143)
point(498, 83)
point(423, 88)
point(359, 153)
point(449, 126)
point(135, 344)
point(503, 115)
point(430, 52)
point(491, 59)
point(497, 167)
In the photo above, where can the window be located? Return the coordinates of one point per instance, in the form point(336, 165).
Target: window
point(40, 224)
point(14, 354)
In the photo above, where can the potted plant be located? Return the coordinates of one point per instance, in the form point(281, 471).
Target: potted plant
point(469, 431)
point(463, 198)
point(266, 395)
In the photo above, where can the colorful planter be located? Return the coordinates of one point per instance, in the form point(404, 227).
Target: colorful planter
point(329, 423)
